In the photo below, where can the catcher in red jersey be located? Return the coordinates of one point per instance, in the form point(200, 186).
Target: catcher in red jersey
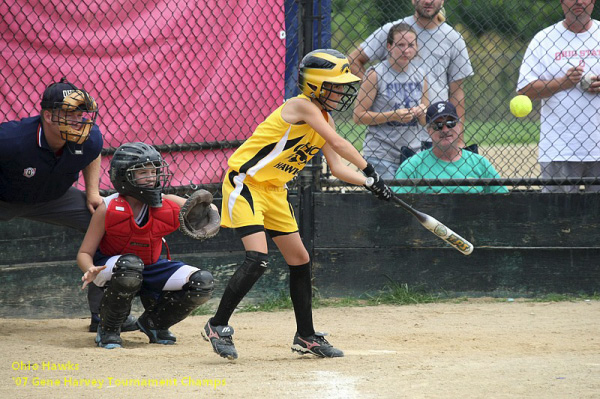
point(121, 249)
point(255, 194)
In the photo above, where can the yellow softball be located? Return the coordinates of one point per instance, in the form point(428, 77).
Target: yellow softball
point(520, 106)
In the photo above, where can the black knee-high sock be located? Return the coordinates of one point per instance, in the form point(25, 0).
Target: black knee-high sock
point(239, 285)
point(301, 294)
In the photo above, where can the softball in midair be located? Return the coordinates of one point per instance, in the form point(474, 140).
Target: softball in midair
point(520, 106)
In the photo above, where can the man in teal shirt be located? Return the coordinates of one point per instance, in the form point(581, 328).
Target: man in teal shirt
point(446, 160)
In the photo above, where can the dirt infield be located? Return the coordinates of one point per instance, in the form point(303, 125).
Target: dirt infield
point(513, 161)
point(475, 349)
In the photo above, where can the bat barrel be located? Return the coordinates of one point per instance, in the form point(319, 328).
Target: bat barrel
point(438, 228)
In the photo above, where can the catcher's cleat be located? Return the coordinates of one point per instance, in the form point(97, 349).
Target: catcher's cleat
point(316, 344)
point(130, 323)
point(164, 337)
point(221, 340)
point(95, 321)
point(108, 340)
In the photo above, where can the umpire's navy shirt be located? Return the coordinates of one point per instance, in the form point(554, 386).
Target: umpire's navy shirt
point(30, 172)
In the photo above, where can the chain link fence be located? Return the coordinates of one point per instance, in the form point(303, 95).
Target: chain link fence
point(196, 78)
point(496, 34)
point(192, 78)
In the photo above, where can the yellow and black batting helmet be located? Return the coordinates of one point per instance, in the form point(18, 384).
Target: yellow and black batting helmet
point(327, 66)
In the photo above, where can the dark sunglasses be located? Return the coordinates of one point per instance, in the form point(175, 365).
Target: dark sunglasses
point(440, 125)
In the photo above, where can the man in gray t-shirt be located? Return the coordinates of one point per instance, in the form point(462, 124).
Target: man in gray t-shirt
point(442, 50)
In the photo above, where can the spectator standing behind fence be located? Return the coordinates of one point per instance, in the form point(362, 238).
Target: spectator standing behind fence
point(442, 52)
point(446, 159)
point(40, 159)
point(555, 62)
point(392, 101)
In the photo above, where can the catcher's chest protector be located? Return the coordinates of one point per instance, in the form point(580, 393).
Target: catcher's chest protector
point(124, 236)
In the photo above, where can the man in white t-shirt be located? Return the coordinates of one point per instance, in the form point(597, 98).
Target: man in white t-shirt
point(552, 70)
point(443, 53)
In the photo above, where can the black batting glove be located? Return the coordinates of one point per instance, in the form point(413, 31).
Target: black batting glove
point(375, 185)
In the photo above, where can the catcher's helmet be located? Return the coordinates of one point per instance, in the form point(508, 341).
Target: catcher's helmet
point(128, 159)
point(73, 109)
point(319, 71)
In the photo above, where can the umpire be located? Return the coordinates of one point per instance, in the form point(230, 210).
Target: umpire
point(41, 157)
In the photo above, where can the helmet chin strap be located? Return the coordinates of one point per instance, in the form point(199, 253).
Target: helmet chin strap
point(75, 149)
point(150, 197)
point(73, 138)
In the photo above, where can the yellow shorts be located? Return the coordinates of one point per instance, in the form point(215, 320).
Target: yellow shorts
point(247, 203)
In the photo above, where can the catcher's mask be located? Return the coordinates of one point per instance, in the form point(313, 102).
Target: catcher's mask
point(138, 170)
point(74, 110)
point(325, 76)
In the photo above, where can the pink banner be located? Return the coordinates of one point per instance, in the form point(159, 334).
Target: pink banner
point(162, 71)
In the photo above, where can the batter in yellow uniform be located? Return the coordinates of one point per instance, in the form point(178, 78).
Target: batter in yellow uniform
point(255, 194)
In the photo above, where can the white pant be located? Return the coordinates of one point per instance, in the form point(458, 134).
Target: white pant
point(175, 282)
point(565, 169)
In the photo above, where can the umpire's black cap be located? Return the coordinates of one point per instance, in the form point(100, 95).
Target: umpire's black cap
point(439, 109)
point(56, 93)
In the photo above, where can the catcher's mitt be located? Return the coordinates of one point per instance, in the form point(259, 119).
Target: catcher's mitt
point(197, 218)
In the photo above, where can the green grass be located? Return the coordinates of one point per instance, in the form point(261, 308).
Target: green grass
point(279, 301)
point(393, 293)
point(353, 133)
point(282, 301)
point(488, 133)
point(502, 132)
point(203, 310)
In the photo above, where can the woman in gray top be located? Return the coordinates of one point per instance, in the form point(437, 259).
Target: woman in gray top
point(392, 101)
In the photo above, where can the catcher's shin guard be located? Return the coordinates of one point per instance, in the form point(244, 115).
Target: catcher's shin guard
point(174, 306)
point(125, 282)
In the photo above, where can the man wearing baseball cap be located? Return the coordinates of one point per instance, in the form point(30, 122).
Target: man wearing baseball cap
point(41, 157)
point(446, 159)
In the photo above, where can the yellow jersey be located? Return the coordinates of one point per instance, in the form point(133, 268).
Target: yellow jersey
point(277, 150)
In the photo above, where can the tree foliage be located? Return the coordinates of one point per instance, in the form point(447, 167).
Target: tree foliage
point(514, 19)
point(497, 33)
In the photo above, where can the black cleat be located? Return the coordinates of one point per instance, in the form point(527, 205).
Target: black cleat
point(108, 340)
point(94, 323)
point(156, 336)
point(316, 344)
point(221, 340)
point(130, 323)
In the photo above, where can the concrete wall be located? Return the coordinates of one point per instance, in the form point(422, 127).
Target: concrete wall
point(525, 244)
